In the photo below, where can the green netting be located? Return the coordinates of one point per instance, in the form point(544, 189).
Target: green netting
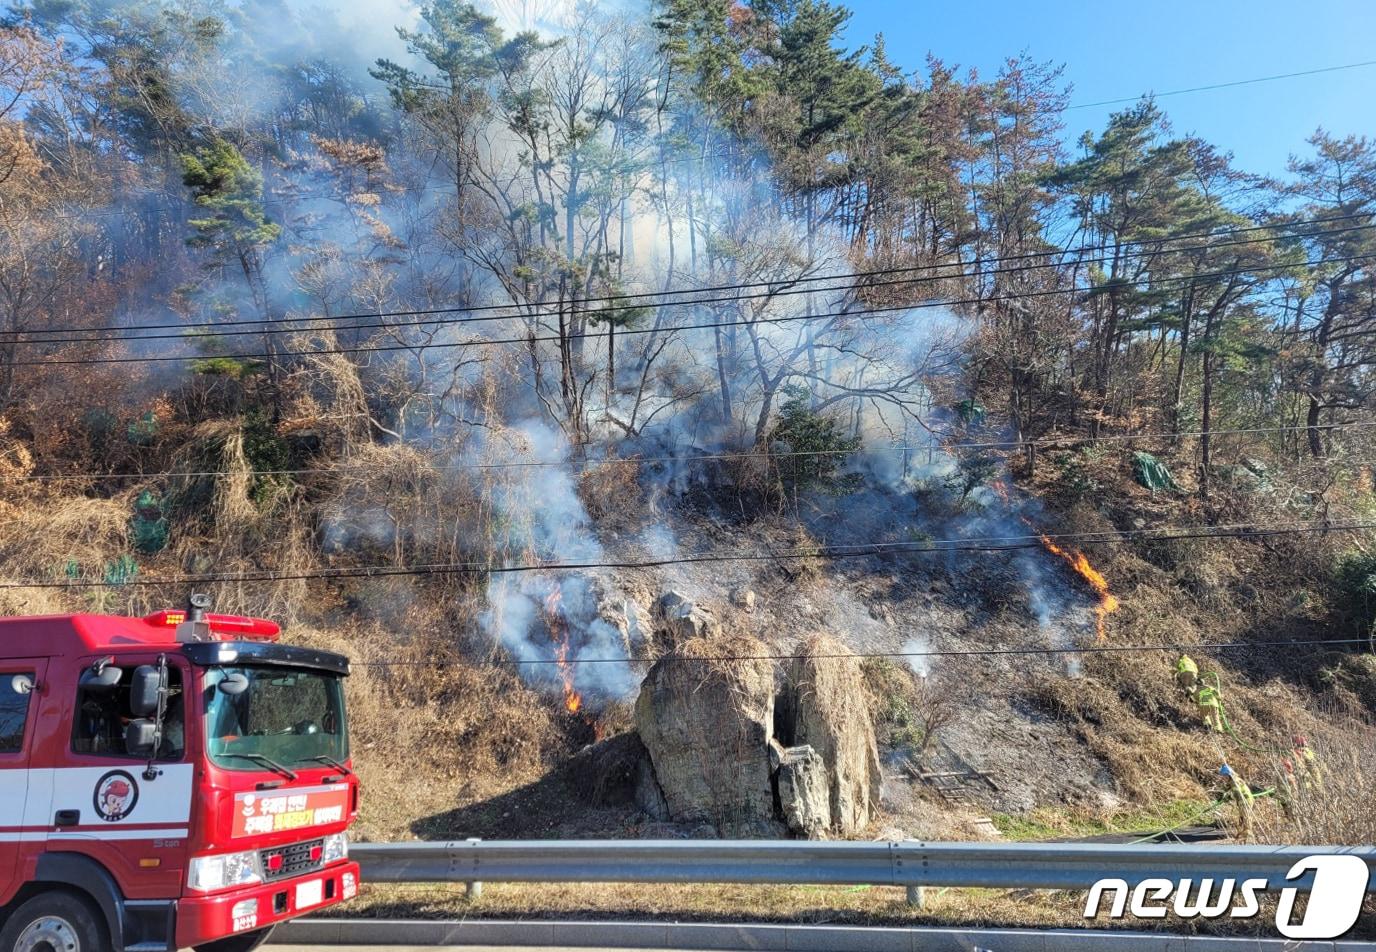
point(144, 430)
point(971, 413)
point(1152, 473)
point(148, 527)
point(121, 571)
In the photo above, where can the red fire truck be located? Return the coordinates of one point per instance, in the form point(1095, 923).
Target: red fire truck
point(169, 781)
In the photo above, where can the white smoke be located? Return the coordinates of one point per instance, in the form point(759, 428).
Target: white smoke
point(537, 518)
point(915, 656)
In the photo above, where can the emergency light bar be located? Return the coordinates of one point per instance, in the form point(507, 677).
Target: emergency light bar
point(242, 626)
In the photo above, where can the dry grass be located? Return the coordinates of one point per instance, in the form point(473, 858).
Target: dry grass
point(612, 491)
point(394, 503)
point(432, 731)
point(30, 601)
point(1351, 681)
point(738, 660)
point(806, 905)
point(1123, 711)
point(63, 537)
point(1338, 809)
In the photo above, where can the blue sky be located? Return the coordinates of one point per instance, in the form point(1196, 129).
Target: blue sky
point(1111, 50)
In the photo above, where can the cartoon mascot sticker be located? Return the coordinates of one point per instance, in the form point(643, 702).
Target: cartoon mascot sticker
point(116, 794)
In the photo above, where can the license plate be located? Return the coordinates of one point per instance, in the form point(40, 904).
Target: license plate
point(310, 894)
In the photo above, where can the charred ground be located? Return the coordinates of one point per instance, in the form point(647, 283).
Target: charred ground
point(379, 340)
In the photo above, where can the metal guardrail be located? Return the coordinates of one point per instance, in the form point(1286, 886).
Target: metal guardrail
point(906, 863)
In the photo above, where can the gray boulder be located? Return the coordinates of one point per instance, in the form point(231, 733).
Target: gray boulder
point(706, 725)
point(679, 619)
point(804, 792)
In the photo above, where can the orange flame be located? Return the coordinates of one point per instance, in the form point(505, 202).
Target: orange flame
point(559, 632)
point(1108, 602)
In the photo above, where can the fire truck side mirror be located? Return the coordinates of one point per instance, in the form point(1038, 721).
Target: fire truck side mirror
point(100, 675)
point(144, 690)
point(140, 736)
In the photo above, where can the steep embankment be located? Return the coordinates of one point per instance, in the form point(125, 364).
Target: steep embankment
point(957, 684)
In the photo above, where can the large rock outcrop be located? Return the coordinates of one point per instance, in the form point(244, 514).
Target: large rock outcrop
point(828, 712)
point(804, 787)
point(706, 724)
point(734, 744)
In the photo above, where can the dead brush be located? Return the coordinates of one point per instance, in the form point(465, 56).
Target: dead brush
point(612, 490)
point(394, 502)
point(229, 519)
point(1332, 806)
point(737, 660)
point(1149, 757)
point(16, 463)
point(805, 564)
point(826, 670)
point(431, 728)
point(287, 596)
point(335, 404)
point(64, 537)
point(29, 601)
point(910, 709)
point(217, 492)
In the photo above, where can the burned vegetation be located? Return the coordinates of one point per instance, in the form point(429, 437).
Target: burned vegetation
point(690, 427)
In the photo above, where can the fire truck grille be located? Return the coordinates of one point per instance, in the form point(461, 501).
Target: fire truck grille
point(292, 860)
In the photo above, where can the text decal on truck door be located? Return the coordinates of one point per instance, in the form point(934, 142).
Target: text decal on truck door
point(256, 813)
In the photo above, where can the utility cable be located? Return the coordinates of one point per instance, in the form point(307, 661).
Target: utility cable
point(288, 325)
point(846, 551)
point(531, 339)
point(1227, 85)
point(346, 465)
point(638, 299)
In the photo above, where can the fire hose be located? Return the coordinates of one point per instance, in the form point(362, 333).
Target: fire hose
point(1228, 724)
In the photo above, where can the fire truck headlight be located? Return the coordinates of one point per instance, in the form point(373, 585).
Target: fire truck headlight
point(336, 847)
point(225, 870)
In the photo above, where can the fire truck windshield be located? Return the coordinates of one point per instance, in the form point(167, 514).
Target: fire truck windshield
point(278, 716)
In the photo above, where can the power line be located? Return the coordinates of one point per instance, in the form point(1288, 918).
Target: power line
point(787, 285)
point(863, 655)
point(849, 551)
point(1228, 85)
point(635, 331)
point(712, 457)
point(286, 325)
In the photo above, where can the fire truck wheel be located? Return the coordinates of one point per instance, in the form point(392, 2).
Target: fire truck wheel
point(244, 942)
point(55, 921)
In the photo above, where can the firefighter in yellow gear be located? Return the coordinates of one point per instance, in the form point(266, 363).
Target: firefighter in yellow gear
point(1308, 773)
point(1209, 700)
point(1186, 674)
point(1241, 794)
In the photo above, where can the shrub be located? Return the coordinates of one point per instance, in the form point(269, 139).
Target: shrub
point(1354, 580)
point(811, 449)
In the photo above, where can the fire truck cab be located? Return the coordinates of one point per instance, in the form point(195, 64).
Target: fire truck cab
point(170, 781)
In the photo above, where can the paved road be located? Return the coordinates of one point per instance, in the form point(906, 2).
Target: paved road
point(590, 936)
point(1025, 942)
point(465, 948)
